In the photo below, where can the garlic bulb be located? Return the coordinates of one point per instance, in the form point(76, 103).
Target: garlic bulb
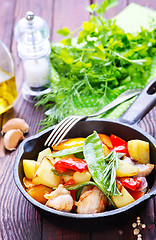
point(15, 123)
point(12, 138)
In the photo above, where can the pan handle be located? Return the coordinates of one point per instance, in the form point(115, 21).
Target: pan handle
point(152, 194)
point(142, 105)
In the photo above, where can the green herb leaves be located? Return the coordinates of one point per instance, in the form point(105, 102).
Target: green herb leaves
point(92, 70)
point(63, 31)
point(110, 173)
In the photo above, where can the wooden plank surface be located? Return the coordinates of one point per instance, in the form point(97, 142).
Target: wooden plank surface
point(76, 12)
point(18, 218)
point(115, 10)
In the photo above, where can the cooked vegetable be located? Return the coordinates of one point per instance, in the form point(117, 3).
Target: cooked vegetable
point(119, 145)
point(105, 149)
point(124, 199)
point(37, 192)
point(139, 150)
point(126, 169)
point(136, 194)
point(130, 183)
point(86, 175)
point(45, 176)
point(43, 153)
point(67, 151)
point(28, 182)
point(106, 140)
point(103, 173)
point(116, 141)
point(72, 163)
point(81, 185)
point(144, 169)
point(30, 167)
point(69, 182)
point(66, 174)
point(80, 177)
point(68, 143)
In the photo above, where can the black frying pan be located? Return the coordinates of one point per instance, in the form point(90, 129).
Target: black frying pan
point(125, 127)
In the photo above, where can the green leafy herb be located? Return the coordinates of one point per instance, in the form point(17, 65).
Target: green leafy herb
point(92, 70)
point(110, 172)
point(63, 31)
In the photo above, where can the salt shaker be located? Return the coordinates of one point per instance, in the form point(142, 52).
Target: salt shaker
point(32, 35)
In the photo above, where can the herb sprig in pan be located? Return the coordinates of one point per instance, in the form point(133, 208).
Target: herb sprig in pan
point(103, 169)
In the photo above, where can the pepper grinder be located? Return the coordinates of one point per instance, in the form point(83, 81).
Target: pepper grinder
point(32, 36)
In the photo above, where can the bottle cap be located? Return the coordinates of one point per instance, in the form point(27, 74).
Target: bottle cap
point(32, 34)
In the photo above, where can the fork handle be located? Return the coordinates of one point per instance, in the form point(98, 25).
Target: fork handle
point(115, 102)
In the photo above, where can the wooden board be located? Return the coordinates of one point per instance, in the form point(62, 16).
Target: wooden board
point(18, 218)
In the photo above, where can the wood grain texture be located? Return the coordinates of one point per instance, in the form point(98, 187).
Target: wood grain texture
point(148, 123)
point(68, 13)
point(58, 231)
point(145, 3)
point(110, 13)
point(19, 220)
point(6, 16)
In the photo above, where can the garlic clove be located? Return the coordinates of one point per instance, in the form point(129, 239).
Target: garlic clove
point(16, 123)
point(12, 138)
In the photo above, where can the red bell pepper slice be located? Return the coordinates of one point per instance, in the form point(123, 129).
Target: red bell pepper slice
point(116, 141)
point(73, 163)
point(119, 145)
point(121, 149)
point(130, 183)
point(105, 139)
point(69, 182)
point(135, 194)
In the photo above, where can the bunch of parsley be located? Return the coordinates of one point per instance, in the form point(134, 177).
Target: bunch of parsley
point(91, 70)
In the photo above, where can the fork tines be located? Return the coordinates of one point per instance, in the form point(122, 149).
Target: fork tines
point(61, 130)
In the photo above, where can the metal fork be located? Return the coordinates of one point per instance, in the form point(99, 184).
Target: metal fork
point(61, 129)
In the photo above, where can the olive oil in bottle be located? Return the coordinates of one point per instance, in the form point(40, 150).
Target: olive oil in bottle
point(8, 91)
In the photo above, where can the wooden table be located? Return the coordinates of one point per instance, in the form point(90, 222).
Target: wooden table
point(18, 218)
